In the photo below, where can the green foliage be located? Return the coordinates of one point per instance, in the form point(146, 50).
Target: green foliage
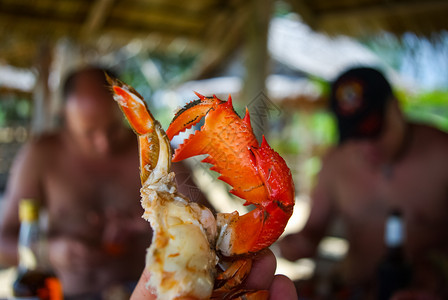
point(173, 67)
point(14, 110)
point(324, 128)
point(429, 107)
point(322, 85)
point(312, 166)
point(302, 130)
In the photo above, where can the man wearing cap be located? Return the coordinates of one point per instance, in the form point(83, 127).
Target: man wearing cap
point(382, 163)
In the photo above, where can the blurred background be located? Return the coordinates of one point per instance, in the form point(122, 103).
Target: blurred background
point(275, 57)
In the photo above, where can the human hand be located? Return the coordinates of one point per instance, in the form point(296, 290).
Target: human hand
point(291, 246)
point(261, 277)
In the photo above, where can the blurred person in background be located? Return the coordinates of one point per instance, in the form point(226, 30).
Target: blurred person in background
point(382, 163)
point(86, 176)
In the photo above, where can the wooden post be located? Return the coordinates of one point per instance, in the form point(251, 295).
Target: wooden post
point(41, 121)
point(53, 62)
point(257, 62)
point(67, 56)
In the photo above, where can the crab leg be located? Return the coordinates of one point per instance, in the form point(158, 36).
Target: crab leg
point(154, 147)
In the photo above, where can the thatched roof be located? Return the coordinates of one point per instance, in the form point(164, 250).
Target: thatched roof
point(104, 25)
point(212, 28)
point(364, 17)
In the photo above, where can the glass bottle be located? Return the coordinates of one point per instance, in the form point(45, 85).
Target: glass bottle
point(34, 280)
point(394, 272)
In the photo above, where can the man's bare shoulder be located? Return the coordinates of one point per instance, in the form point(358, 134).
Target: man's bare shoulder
point(29, 167)
point(45, 145)
point(333, 156)
point(430, 137)
point(47, 140)
point(431, 145)
point(331, 161)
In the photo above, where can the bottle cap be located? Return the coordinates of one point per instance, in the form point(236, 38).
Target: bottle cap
point(28, 210)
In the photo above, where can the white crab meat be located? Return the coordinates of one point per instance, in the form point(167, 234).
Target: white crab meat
point(180, 259)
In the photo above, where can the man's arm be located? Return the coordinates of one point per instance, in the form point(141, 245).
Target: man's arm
point(23, 182)
point(304, 243)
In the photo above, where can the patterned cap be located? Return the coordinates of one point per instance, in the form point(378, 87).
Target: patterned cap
point(358, 99)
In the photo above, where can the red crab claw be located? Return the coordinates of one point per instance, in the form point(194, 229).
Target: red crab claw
point(256, 173)
point(154, 147)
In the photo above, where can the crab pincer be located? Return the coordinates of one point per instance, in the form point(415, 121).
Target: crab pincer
point(256, 173)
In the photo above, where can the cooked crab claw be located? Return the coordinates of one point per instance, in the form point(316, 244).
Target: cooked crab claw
point(180, 260)
point(154, 146)
point(182, 257)
point(256, 173)
point(197, 110)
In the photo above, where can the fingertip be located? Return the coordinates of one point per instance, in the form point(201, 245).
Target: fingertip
point(263, 270)
point(283, 288)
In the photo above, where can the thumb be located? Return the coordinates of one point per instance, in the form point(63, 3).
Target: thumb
point(140, 291)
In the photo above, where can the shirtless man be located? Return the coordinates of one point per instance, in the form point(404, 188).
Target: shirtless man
point(86, 177)
point(382, 163)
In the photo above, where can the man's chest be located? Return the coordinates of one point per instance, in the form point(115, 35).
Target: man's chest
point(77, 187)
point(410, 187)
